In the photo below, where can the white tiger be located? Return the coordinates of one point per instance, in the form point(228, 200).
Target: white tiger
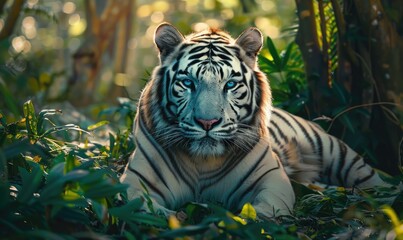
point(205, 131)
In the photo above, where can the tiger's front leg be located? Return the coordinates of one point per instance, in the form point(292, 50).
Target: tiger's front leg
point(142, 181)
point(263, 182)
point(269, 203)
point(276, 196)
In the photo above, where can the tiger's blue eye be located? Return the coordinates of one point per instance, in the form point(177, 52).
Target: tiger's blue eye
point(230, 84)
point(187, 82)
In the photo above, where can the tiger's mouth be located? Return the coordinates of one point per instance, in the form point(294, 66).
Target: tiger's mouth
point(206, 146)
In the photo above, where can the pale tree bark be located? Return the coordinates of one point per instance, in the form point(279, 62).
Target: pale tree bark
point(106, 33)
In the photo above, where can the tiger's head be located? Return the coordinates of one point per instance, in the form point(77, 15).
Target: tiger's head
point(207, 97)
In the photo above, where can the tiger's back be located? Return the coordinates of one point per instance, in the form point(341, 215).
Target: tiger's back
point(310, 155)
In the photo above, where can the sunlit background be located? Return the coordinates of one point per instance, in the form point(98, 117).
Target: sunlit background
point(52, 32)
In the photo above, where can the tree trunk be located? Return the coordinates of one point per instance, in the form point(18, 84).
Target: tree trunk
point(308, 41)
point(379, 73)
point(369, 67)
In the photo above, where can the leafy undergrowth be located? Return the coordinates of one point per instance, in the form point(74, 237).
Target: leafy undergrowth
point(61, 181)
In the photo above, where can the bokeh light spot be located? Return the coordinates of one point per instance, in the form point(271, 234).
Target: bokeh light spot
point(69, 8)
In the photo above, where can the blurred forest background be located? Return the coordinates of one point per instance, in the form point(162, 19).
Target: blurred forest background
point(87, 51)
point(345, 70)
point(336, 62)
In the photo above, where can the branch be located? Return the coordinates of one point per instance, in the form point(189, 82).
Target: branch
point(11, 19)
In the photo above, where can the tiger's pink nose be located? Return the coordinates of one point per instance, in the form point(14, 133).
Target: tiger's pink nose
point(207, 124)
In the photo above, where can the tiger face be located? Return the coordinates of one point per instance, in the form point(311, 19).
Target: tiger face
point(209, 91)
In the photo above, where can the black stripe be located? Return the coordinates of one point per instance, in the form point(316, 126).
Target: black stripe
point(243, 95)
point(285, 204)
point(196, 49)
point(234, 110)
point(305, 132)
point(363, 165)
point(148, 183)
point(274, 136)
point(227, 168)
point(319, 144)
point(281, 133)
point(252, 186)
point(252, 89)
point(179, 171)
point(224, 50)
point(166, 157)
point(156, 146)
point(149, 160)
point(284, 120)
point(247, 175)
point(352, 163)
point(328, 171)
point(359, 181)
point(196, 56)
point(331, 144)
point(342, 161)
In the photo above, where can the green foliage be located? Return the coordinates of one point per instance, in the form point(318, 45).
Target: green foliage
point(58, 188)
point(286, 76)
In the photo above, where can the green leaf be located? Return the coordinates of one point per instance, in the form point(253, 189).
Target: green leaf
point(270, 63)
point(31, 120)
point(43, 234)
point(148, 219)
point(67, 127)
point(30, 182)
point(56, 188)
point(71, 163)
point(56, 171)
point(125, 211)
point(273, 51)
point(111, 142)
point(185, 231)
point(42, 116)
point(300, 189)
point(97, 125)
point(100, 209)
point(105, 189)
point(287, 54)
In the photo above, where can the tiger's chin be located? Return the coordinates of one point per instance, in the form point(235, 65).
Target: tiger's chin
point(206, 147)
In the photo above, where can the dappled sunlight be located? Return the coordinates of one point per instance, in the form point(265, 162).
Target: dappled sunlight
point(64, 27)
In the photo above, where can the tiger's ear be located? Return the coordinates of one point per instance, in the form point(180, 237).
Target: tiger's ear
point(251, 41)
point(167, 37)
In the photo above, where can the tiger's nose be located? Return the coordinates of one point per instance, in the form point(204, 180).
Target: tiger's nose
point(207, 124)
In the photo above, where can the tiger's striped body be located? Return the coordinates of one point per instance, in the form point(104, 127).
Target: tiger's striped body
point(205, 131)
point(310, 155)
